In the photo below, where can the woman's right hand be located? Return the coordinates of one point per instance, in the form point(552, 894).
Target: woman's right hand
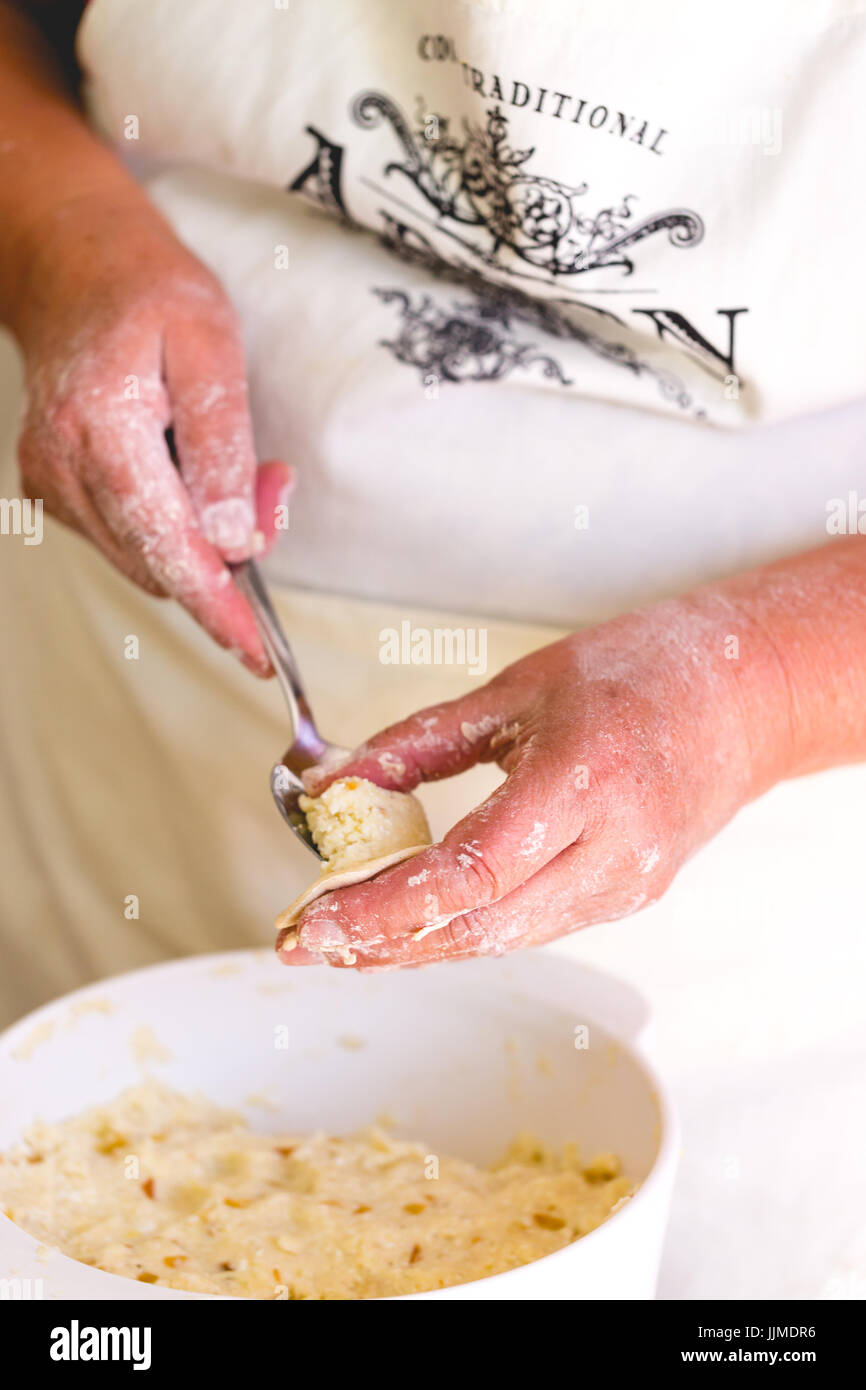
point(125, 334)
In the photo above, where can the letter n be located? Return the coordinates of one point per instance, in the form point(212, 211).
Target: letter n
point(677, 326)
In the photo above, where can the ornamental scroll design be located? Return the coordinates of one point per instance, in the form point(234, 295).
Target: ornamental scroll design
point(479, 180)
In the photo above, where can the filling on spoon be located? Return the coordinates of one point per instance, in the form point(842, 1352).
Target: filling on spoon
point(354, 822)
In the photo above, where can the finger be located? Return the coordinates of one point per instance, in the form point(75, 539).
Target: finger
point(522, 826)
point(275, 483)
point(131, 566)
point(572, 892)
point(145, 505)
point(436, 742)
point(205, 378)
point(75, 509)
point(297, 955)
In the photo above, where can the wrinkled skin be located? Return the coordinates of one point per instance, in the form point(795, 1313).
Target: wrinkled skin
point(625, 747)
point(112, 359)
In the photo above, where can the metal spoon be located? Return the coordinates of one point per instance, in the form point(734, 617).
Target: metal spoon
point(308, 747)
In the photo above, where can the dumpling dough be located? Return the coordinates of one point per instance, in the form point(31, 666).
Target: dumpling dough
point(359, 829)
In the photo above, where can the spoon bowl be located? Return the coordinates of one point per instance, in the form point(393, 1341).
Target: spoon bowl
point(308, 747)
point(286, 789)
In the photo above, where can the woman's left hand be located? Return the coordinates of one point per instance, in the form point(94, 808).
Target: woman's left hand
point(625, 747)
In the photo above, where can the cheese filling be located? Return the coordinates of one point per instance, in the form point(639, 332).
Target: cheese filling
point(354, 821)
point(173, 1190)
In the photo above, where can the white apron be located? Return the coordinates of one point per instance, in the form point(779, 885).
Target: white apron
point(586, 230)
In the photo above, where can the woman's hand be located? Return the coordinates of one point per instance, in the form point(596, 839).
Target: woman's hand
point(124, 335)
point(625, 747)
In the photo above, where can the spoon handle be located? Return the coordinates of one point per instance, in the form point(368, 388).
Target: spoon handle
point(307, 743)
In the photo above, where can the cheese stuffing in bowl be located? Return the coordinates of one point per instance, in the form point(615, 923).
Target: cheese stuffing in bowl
point(174, 1190)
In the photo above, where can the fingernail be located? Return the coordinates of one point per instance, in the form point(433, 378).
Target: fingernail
point(311, 776)
point(338, 758)
point(322, 934)
point(228, 524)
point(299, 956)
point(258, 665)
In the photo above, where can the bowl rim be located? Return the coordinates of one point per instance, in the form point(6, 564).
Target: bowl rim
point(663, 1166)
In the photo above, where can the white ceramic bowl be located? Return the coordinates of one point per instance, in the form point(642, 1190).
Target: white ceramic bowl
point(461, 1056)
